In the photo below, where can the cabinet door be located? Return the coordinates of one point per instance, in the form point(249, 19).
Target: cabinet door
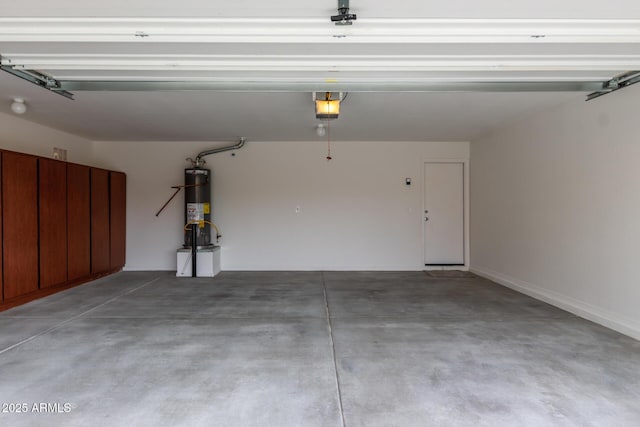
point(20, 224)
point(78, 221)
point(52, 196)
point(100, 247)
point(1, 263)
point(118, 196)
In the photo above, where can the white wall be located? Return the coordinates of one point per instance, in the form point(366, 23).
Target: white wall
point(555, 208)
point(356, 212)
point(18, 134)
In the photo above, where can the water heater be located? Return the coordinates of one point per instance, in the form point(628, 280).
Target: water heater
point(197, 206)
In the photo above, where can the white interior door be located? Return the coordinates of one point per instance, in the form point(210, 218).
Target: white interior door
point(444, 213)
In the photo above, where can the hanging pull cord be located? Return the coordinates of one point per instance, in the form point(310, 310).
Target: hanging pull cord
point(328, 140)
point(178, 188)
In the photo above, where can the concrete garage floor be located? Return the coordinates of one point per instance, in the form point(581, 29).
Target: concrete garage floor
point(311, 349)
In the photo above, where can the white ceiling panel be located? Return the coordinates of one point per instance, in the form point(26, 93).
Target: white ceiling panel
point(390, 60)
point(573, 9)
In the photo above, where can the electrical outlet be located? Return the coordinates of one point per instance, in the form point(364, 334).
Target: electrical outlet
point(60, 154)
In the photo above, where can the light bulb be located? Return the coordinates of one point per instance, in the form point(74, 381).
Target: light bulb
point(18, 106)
point(320, 130)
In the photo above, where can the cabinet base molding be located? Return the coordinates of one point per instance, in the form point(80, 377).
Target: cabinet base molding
point(41, 293)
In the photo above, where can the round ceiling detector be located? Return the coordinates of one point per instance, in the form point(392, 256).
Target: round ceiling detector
point(18, 106)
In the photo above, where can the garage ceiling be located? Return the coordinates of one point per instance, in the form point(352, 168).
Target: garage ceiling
point(264, 58)
point(538, 9)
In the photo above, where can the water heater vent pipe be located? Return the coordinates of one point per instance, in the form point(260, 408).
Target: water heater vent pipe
point(198, 162)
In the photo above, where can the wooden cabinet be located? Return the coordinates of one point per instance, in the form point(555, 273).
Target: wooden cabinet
point(78, 221)
point(1, 240)
point(117, 206)
point(100, 235)
point(52, 196)
point(61, 224)
point(20, 224)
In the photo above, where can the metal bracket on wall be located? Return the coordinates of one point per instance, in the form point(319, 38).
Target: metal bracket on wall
point(619, 82)
point(343, 17)
point(37, 78)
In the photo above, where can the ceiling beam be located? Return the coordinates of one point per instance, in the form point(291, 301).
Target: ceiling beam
point(321, 62)
point(332, 86)
point(318, 30)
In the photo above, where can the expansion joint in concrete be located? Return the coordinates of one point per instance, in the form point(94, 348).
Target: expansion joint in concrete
point(333, 351)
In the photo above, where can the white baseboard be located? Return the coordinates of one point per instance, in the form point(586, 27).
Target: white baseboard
point(587, 311)
point(148, 268)
point(446, 267)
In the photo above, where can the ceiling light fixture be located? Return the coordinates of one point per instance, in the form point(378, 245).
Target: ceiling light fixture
point(327, 108)
point(18, 106)
point(320, 129)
